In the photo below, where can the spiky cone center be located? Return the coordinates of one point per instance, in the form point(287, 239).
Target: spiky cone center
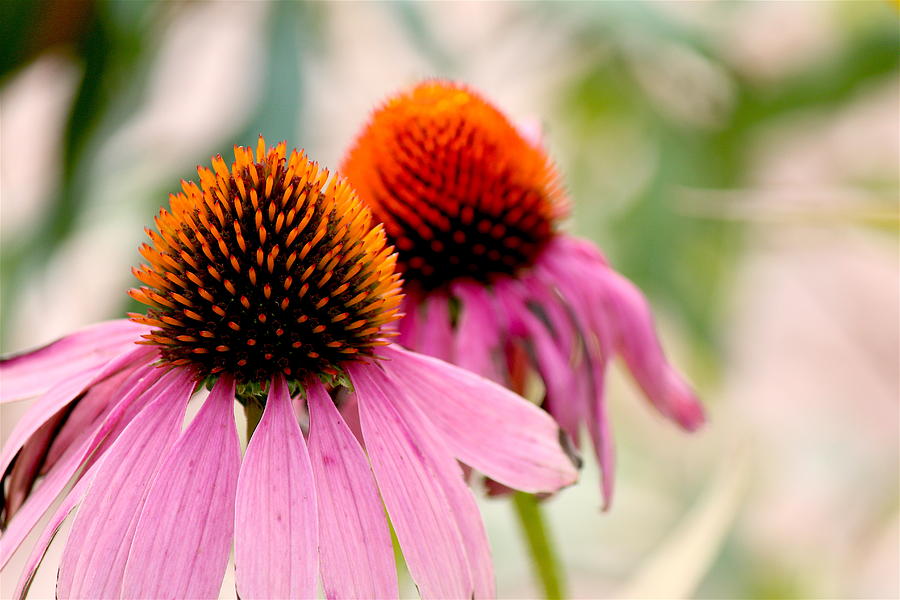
point(265, 268)
point(461, 192)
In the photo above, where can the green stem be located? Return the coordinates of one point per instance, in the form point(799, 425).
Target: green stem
point(534, 527)
point(253, 412)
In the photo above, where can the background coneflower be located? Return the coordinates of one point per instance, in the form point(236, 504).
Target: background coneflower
point(473, 208)
point(263, 282)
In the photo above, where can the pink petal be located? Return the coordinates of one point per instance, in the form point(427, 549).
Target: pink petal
point(28, 464)
point(46, 408)
point(559, 376)
point(93, 561)
point(601, 434)
point(557, 342)
point(37, 554)
point(642, 352)
point(478, 334)
point(87, 413)
point(471, 528)
point(32, 373)
point(553, 309)
point(69, 427)
point(276, 534)
point(508, 307)
point(433, 512)
point(435, 329)
point(484, 424)
point(74, 458)
point(130, 411)
point(61, 395)
point(357, 557)
point(620, 315)
point(183, 537)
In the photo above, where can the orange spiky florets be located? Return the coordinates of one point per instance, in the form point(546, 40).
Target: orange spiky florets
point(461, 192)
point(262, 270)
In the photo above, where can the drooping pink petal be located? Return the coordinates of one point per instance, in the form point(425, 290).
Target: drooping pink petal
point(71, 500)
point(45, 409)
point(435, 331)
point(28, 464)
point(68, 465)
point(93, 562)
point(559, 345)
point(549, 305)
point(571, 266)
point(494, 489)
point(508, 307)
point(564, 401)
point(433, 512)
point(86, 414)
point(643, 354)
point(276, 530)
point(618, 312)
point(183, 537)
point(355, 550)
point(35, 372)
point(478, 340)
point(62, 394)
point(601, 432)
point(484, 424)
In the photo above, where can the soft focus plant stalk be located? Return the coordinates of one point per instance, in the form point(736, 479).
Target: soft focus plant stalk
point(547, 567)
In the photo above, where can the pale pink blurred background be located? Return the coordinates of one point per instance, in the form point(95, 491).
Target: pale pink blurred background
point(791, 490)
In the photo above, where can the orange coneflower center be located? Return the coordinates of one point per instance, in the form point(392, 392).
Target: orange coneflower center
point(266, 268)
point(461, 193)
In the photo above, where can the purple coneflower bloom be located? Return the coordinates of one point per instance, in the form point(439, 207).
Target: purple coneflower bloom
point(492, 285)
point(265, 283)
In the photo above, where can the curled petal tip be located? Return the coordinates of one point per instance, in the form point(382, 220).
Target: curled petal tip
point(683, 405)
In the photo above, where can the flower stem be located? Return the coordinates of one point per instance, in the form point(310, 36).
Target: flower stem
point(253, 412)
point(542, 553)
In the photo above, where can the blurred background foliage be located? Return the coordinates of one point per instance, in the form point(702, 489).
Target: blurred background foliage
point(705, 145)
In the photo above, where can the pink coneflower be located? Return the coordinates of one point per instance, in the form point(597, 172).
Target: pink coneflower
point(492, 285)
point(265, 283)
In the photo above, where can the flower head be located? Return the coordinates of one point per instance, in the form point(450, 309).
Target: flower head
point(473, 206)
point(265, 281)
point(461, 193)
point(260, 270)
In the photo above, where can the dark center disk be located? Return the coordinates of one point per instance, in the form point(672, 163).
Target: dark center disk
point(259, 306)
point(474, 244)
